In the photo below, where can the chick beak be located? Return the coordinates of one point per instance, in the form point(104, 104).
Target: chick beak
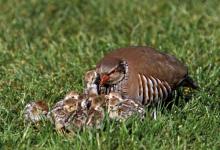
point(104, 79)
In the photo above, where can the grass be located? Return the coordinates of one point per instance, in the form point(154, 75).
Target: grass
point(47, 45)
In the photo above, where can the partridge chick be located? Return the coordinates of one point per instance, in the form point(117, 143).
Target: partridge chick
point(61, 112)
point(96, 112)
point(122, 109)
point(76, 120)
point(35, 111)
point(113, 99)
point(72, 94)
point(82, 98)
point(91, 80)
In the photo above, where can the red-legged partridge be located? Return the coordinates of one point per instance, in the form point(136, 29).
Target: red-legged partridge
point(142, 74)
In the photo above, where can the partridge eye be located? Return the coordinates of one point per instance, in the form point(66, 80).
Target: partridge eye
point(113, 71)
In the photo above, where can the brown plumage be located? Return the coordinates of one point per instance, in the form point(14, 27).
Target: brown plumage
point(142, 74)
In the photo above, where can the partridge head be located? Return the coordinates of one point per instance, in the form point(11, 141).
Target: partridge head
point(90, 77)
point(111, 71)
point(114, 95)
point(81, 100)
point(72, 94)
point(71, 105)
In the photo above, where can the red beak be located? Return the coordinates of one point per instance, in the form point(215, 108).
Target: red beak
point(104, 79)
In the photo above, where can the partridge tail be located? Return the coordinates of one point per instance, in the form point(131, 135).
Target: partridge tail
point(188, 82)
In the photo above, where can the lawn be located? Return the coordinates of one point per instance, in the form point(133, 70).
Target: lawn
point(46, 46)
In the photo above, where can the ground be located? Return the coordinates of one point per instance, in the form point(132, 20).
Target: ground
point(47, 45)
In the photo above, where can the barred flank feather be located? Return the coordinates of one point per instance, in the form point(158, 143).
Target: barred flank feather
point(152, 90)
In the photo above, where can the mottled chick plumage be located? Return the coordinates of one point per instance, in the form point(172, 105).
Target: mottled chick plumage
point(35, 111)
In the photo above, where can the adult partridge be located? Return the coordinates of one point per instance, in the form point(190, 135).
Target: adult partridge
point(143, 74)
